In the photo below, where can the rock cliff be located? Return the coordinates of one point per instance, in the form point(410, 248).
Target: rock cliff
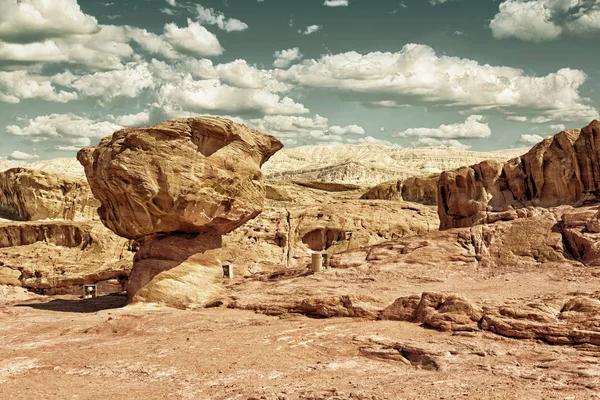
point(563, 169)
point(177, 187)
point(57, 257)
point(32, 195)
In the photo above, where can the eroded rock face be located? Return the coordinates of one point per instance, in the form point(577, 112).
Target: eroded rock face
point(177, 187)
point(32, 195)
point(417, 189)
point(284, 236)
point(57, 257)
point(561, 170)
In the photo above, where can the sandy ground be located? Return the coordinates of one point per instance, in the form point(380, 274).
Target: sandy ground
point(66, 348)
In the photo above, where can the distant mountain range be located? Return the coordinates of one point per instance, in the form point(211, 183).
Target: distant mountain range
point(367, 164)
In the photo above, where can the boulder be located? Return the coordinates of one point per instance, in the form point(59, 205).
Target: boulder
point(176, 187)
point(561, 170)
point(32, 195)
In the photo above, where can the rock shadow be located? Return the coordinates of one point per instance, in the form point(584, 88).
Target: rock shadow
point(108, 302)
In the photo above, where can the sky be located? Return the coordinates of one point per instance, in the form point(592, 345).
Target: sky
point(474, 74)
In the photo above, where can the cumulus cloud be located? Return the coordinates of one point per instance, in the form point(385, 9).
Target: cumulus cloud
point(106, 86)
point(336, 3)
point(298, 128)
point(471, 128)
point(239, 74)
point(64, 127)
point(542, 20)
point(530, 139)
point(18, 85)
point(193, 39)
point(417, 72)
point(346, 130)
point(211, 95)
point(21, 156)
point(25, 21)
point(132, 120)
point(431, 142)
point(285, 58)
point(310, 29)
point(211, 17)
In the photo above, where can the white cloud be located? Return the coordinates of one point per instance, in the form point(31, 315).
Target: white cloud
point(172, 3)
point(519, 118)
point(106, 86)
point(336, 3)
point(64, 127)
point(541, 20)
point(297, 128)
point(132, 120)
point(285, 58)
point(18, 85)
point(471, 128)
point(211, 95)
point(417, 72)
point(530, 139)
point(346, 130)
point(193, 39)
point(310, 29)
point(212, 17)
point(239, 74)
point(46, 51)
point(558, 127)
point(430, 142)
point(21, 156)
point(104, 49)
point(26, 21)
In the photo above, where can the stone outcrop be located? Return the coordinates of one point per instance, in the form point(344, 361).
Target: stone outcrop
point(285, 235)
point(561, 170)
point(58, 257)
point(417, 189)
point(31, 195)
point(177, 187)
point(581, 229)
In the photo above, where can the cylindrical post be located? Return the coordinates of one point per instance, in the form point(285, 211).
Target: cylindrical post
point(325, 261)
point(317, 262)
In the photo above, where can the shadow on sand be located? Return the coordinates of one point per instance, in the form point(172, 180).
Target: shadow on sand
point(114, 300)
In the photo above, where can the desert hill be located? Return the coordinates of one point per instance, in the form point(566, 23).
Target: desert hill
point(371, 164)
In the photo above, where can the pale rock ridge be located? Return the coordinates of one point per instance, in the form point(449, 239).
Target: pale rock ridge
point(370, 164)
point(32, 195)
point(563, 169)
point(177, 187)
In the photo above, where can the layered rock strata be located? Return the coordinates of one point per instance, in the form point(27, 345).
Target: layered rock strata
point(417, 189)
point(561, 170)
point(32, 195)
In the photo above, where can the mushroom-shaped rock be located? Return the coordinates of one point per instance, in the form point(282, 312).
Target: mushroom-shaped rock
point(183, 182)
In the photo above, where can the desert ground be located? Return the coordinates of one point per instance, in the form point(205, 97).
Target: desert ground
point(443, 282)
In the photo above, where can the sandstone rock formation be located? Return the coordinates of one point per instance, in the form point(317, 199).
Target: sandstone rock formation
point(417, 189)
point(58, 257)
point(32, 195)
point(185, 181)
point(564, 169)
point(285, 234)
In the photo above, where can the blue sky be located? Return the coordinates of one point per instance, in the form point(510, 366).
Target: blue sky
point(479, 74)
